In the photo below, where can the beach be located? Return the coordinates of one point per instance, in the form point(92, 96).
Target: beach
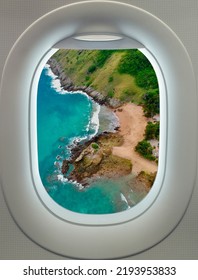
point(132, 128)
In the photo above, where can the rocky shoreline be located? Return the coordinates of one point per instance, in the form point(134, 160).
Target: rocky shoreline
point(76, 150)
point(68, 85)
point(89, 162)
point(94, 159)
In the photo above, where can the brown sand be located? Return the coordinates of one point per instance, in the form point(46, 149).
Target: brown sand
point(132, 128)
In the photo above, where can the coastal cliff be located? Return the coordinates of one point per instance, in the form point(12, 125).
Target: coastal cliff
point(68, 85)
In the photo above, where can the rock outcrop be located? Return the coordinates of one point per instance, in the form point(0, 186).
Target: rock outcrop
point(94, 159)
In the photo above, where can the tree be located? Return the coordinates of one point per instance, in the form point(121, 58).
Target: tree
point(151, 103)
point(132, 62)
point(147, 79)
point(145, 149)
point(152, 131)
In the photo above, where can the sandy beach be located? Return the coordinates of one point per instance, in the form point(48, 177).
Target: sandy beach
point(132, 128)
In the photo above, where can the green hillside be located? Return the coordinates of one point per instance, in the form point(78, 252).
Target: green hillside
point(123, 74)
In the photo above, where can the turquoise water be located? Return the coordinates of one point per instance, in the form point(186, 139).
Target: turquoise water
point(64, 118)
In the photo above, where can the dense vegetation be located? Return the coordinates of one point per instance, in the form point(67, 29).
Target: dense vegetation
point(136, 64)
point(147, 79)
point(100, 59)
point(151, 103)
point(145, 149)
point(122, 74)
point(152, 131)
point(132, 62)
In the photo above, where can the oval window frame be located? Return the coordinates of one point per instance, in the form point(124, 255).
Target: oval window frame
point(87, 219)
point(33, 217)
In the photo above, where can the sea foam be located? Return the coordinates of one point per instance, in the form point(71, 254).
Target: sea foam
point(123, 198)
point(55, 83)
point(61, 178)
point(94, 121)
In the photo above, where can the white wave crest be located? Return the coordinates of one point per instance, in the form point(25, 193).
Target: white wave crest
point(61, 178)
point(94, 122)
point(55, 83)
point(123, 198)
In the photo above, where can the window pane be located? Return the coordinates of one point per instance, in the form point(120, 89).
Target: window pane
point(98, 129)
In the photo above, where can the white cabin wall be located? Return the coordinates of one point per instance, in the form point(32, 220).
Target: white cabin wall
point(181, 16)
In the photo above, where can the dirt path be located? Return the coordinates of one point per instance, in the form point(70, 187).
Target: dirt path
point(132, 128)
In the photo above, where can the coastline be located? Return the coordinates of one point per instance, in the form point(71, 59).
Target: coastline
point(88, 132)
point(132, 123)
point(68, 85)
point(132, 128)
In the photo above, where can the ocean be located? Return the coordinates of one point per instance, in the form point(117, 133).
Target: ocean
point(64, 119)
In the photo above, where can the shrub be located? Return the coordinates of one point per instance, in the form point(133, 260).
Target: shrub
point(151, 103)
point(102, 57)
point(127, 95)
point(152, 131)
point(110, 79)
point(88, 83)
point(145, 149)
point(95, 146)
point(111, 94)
point(92, 68)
